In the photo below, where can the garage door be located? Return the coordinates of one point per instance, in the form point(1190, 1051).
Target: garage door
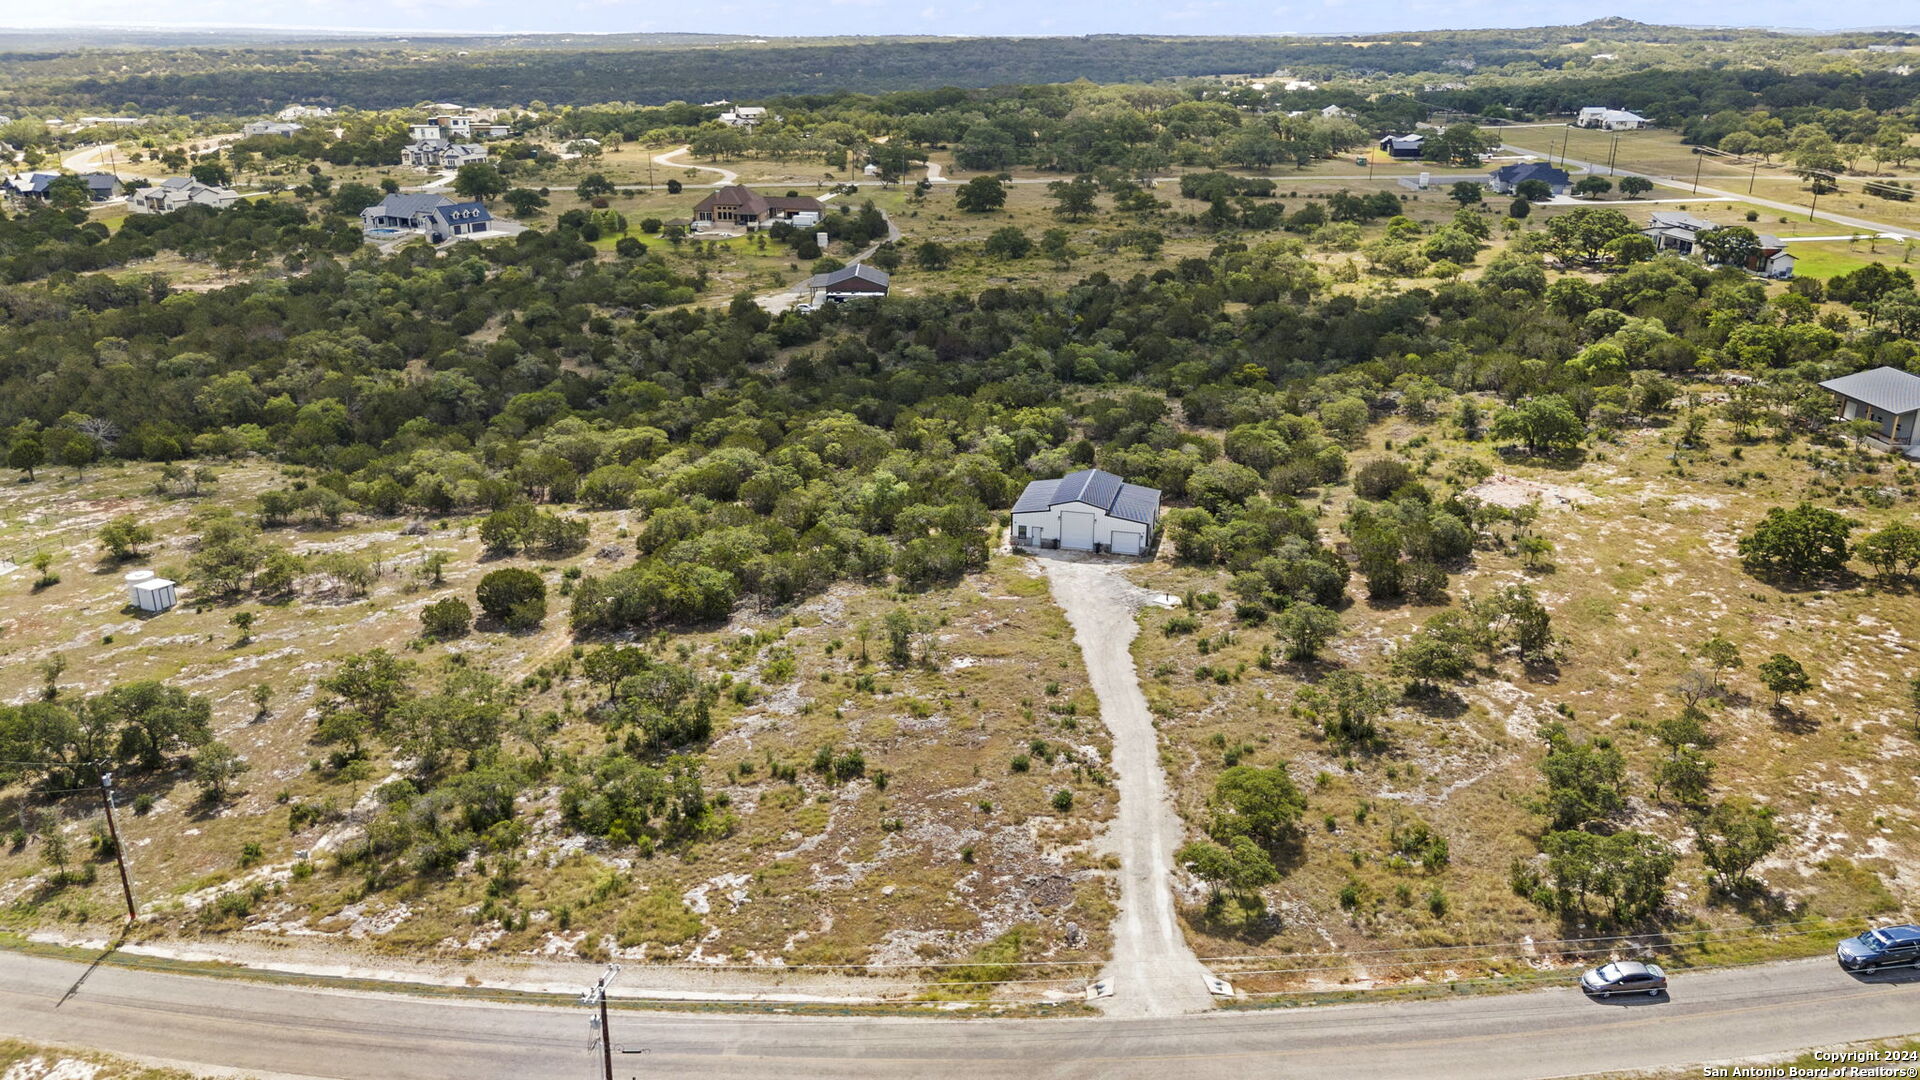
point(1076, 531)
point(1126, 543)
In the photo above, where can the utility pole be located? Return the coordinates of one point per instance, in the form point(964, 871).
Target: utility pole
point(1697, 162)
point(119, 856)
point(1813, 204)
point(596, 996)
point(1751, 180)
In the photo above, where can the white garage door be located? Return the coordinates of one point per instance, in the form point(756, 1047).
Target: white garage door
point(1126, 543)
point(1076, 531)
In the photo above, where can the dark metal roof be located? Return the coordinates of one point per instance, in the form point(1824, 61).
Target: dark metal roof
point(1885, 388)
point(848, 273)
point(1095, 487)
point(1530, 170)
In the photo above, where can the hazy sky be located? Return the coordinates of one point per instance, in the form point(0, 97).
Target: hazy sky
point(992, 17)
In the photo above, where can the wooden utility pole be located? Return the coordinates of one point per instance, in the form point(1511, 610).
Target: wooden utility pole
point(1697, 163)
point(119, 855)
point(596, 995)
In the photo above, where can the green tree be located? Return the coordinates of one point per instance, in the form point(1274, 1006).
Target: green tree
point(515, 597)
point(1734, 836)
point(1592, 186)
point(1529, 192)
point(1729, 245)
point(1544, 425)
point(215, 768)
point(1783, 675)
point(446, 618)
point(525, 202)
point(981, 195)
point(1461, 145)
point(1074, 199)
point(1261, 804)
point(1009, 242)
point(1303, 629)
point(1635, 186)
point(479, 180)
point(1806, 541)
point(1721, 655)
point(1894, 549)
point(1582, 234)
point(1465, 192)
point(594, 186)
point(1239, 867)
point(1585, 780)
point(1629, 870)
point(26, 455)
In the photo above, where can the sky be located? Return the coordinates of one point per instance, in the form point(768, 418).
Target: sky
point(780, 18)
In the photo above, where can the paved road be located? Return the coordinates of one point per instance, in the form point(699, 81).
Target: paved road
point(1784, 207)
point(1153, 971)
point(284, 1032)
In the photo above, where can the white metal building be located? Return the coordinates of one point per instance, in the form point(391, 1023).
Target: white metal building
point(1089, 510)
point(149, 592)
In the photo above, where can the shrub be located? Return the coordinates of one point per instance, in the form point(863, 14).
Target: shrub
point(515, 597)
point(448, 617)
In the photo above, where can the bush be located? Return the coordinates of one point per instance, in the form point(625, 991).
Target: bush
point(446, 618)
point(513, 596)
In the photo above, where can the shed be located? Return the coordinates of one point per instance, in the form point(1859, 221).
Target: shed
point(149, 592)
point(1089, 510)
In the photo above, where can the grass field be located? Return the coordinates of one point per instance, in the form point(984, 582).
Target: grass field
point(952, 851)
point(1643, 571)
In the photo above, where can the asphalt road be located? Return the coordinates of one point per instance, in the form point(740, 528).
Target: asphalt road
point(1574, 164)
point(274, 1031)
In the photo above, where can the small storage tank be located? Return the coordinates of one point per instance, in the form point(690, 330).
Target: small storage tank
point(149, 592)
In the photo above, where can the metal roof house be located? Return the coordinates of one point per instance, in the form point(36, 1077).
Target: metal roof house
point(1679, 231)
point(1403, 146)
point(435, 217)
point(1089, 510)
point(1594, 116)
point(282, 128)
point(1886, 396)
point(169, 195)
point(848, 283)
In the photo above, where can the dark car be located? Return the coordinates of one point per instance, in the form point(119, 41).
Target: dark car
point(1886, 946)
point(1624, 977)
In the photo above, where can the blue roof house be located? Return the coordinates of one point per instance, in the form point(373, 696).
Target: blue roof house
point(1089, 510)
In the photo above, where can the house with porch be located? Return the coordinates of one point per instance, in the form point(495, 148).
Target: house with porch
point(1679, 232)
point(435, 217)
point(1595, 116)
point(181, 191)
point(739, 205)
point(1886, 396)
point(1089, 510)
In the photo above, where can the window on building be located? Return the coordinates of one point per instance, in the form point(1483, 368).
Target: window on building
point(1020, 531)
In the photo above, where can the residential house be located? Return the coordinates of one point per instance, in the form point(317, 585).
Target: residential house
point(440, 154)
point(435, 217)
point(284, 129)
point(169, 195)
point(1679, 232)
point(1333, 111)
point(1610, 119)
point(744, 116)
point(457, 126)
point(1507, 178)
point(1886, 396)
point(101, 186)
point(1403, 146)
point(739, 205)
point(1089, 510)
point(303, 112)
point(848, 283)
point(30, 185)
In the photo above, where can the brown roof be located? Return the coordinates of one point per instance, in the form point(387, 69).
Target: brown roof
point(755, 203)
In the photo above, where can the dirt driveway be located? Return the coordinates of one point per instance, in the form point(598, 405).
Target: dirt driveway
point(1153, 972)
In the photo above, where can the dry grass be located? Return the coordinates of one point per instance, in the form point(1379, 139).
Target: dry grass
point(1645, 570)
point(811, 873)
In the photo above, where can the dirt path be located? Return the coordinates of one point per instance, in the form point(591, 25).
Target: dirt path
point(1153, 972)
point(665, 161)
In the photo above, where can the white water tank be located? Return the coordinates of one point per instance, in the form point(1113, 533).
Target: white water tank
point(149, 592)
